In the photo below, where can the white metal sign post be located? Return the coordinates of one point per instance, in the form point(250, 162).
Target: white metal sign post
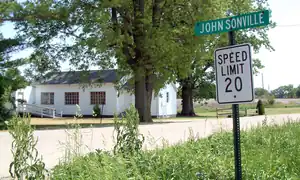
point(234, 83)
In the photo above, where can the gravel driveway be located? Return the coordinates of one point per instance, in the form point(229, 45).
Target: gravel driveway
point(51, 143)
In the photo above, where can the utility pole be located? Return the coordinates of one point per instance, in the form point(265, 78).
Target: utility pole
point(262, 80)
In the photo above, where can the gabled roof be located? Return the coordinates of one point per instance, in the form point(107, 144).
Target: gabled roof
point(77, 77)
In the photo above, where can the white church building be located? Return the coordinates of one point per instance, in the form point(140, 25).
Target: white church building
point(59, 94)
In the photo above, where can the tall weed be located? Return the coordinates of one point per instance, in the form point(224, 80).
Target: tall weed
point(129, 140)
point(26, 163)
point(73, 144)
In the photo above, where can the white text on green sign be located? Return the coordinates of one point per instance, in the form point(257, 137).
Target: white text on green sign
point(243, 21)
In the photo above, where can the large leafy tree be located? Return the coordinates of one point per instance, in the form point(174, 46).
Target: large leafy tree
point(286, 91)
point(150, 40)
point(260, 92)
point(201, 75)
point(10, 77)
point(298, 91)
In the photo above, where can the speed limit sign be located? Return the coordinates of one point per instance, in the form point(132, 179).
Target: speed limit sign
point(234, 79)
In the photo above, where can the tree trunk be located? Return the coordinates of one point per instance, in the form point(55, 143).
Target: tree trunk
point(149, 91)
point(192, 111)
point(140, 96)
point(187, 99)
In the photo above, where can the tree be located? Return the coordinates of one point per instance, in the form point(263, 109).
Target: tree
point(287, 91)
point(149, 40)
point(260, 92)
point(290, 91)
point(298, 92)
point(278, 92)
point(10, 76)
point(202, 63)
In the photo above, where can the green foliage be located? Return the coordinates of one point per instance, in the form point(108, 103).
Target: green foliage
point(298, 91)
point(168, 41)
point(205, 91)
point(260, 107)
point(10, 77)
point(266, 154)
point(200, 76)
point(129, 141)
point(93, 37)
point(271, 100)
point(96, 111)
point(286, 91)
point(151, 40)
point(26, 163)
point(260, 92)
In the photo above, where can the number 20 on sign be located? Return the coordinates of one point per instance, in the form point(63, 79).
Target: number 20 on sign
point(234, 79)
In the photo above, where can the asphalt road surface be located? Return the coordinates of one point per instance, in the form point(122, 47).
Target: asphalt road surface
point(52, 143)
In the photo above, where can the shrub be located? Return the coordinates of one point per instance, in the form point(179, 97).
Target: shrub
point(271, 100)
point(96, 111)
point(260, 107)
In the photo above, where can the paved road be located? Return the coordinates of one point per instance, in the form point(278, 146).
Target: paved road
point(52, 143)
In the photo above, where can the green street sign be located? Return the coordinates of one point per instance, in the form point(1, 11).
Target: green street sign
point(243, 21)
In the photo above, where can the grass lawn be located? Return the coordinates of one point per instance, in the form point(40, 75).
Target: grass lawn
point(207, 112)
point(63, 121)
point(292, 110)
point(270, 152)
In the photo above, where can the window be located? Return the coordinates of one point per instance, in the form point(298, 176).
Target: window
point(71, 98)
point(98, 98)
point(167, 97)
point(47, 98)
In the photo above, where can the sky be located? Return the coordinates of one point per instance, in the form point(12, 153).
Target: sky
point(281, 65)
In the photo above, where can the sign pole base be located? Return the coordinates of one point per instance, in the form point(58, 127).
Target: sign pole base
point(236, 141)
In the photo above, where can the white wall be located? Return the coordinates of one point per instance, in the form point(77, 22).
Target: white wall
point(168, 108)
point(124, 101)
point(28, 94)
point(154, 105)
point(84, 98)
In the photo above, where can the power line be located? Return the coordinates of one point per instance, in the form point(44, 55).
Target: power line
point(288, 25)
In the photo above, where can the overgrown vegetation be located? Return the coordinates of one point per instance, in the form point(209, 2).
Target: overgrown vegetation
point(129, 141)
point(266, 154)
point(26, 163)
point(10, 78)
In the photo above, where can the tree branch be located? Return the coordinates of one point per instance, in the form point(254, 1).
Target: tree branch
point(156, 13)
point(36, 16)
